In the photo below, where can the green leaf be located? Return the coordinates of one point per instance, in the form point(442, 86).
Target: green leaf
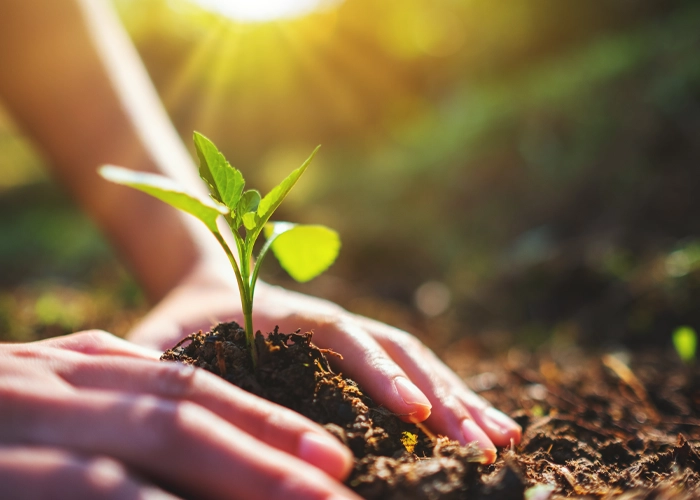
point(225, 182)
point(303, 251)
point(246, 212)
point(166, 190)
point(249, 202)
point(685, 341)
point(274, 198)
point(250, 220)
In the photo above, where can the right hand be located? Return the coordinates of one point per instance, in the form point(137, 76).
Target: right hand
point(396, 370)
point(88, 413)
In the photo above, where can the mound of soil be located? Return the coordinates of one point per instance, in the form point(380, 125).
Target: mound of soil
point(594, 428)
point(394, 459)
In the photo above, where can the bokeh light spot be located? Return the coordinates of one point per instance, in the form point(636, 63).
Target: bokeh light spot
point(432, 298)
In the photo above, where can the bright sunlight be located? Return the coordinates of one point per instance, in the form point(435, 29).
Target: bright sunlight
point(265, 10)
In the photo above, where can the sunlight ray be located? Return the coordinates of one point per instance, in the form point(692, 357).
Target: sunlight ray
point(194, 65)
point(222, 71)
point(340, 102)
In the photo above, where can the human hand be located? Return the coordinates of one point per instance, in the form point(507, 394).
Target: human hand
point(41, 472)
point(393, 367)
point(102, 411)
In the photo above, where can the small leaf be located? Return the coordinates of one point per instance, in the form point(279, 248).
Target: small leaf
point(274, 198)
point(250, 220)
point(225, 182)
point(685, 341)
point(303, 251)
point(249, 202)
point(166, 190)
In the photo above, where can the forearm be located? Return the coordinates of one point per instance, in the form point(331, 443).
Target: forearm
point(74, 82)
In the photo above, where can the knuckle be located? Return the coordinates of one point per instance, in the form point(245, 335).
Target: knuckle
point(274, 427)
point(408, 342)
point(175, 380)
point(97, 336)
point(410, 346)
point(93, 340)
point(175, 419)
point(383, 364)
point(453, 405)
point(103, 477)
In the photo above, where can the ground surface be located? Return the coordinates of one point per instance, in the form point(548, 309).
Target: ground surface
point(609, 426)
point(621, 425)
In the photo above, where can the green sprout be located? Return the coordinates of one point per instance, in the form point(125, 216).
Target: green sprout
point(685, 341)
point(304, 251)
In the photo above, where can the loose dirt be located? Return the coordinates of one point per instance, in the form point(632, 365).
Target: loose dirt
point(594, 427)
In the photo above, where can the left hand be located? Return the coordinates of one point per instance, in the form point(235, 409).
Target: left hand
point(395, 368)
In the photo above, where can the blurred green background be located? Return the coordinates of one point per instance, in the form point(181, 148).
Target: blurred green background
point(521, 172)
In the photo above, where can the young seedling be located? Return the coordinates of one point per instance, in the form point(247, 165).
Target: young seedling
point(685, 341)
point(304, 251)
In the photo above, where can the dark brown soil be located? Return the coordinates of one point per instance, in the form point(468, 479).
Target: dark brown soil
point(593, 428)
point(623, 426)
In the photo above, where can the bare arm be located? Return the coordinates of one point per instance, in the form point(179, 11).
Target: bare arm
point(74, 82)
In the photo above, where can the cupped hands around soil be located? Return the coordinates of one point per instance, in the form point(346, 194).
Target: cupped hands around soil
point(594, 427)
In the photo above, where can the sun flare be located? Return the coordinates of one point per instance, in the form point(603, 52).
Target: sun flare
point(265, 10)
point(286, 67)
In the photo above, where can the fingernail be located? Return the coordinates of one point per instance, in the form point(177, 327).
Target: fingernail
point(410, 394)
point(473, 433)
point(326, 453)
point(503, 424)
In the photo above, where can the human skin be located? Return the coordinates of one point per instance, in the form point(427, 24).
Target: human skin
point(74, 83)
point(82, 404)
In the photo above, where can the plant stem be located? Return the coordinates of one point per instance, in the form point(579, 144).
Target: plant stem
point(258, 261)
point(242, 277)
point(250, 337)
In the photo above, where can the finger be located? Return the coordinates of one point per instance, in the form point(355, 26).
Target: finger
point(449, 417)
point(178, 443)
point(502, 429)
point(270, 423)
point(450, 394)
point(98, 342)
point(363, 358)
point(365, 361)
point(43, 473)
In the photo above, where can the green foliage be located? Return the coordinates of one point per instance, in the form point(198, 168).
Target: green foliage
point(303, 251)
point(225, 182)
point(685, 341)
point(165, 190)
point(274, 198)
